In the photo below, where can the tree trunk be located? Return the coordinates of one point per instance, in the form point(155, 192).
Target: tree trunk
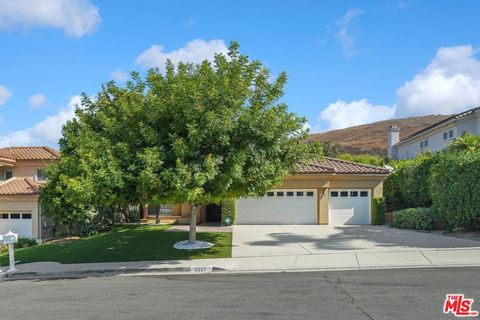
point(157, 214)
point(192, 236)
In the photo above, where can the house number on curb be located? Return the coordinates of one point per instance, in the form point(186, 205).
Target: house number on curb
point(201, 268)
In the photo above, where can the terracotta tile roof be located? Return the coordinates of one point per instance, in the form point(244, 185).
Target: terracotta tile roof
point(337, 166)
point(29, 153)
point(20, 186)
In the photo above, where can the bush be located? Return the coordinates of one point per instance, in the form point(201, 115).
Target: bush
point(229, 211)
point(25, 243)
point(379, 210)
point(414, 218)
point(408, 186)
point(369, 159)
point(455, 189)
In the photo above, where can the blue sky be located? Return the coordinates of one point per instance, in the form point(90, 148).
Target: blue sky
point(348, 62)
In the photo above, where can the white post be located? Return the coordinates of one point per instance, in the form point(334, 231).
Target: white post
point(11, 258)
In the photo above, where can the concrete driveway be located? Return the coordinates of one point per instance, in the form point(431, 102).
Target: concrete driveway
point(282, 240)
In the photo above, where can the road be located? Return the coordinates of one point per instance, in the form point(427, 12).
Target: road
point(373, 294)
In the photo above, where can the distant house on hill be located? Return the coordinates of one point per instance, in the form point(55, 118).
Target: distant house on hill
point(432, 138)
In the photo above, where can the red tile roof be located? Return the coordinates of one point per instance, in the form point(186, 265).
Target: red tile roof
point(29, 153)
point(20, 186)
point(337, 166)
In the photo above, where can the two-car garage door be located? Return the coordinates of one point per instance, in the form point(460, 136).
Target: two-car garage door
point(299, 206)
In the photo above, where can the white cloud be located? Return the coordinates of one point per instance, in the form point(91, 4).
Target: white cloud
point(76, 17)
point(5, 95)
point(119, 75)
point(342, 114)
point(449, 84)
point(37, 100)
point(189, 23)
point(45, 132)
point(343, 31)
point(194, 51)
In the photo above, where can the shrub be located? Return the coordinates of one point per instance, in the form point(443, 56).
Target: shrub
point(25, 243)
point(229, 211)
point(369, 159)
point(408, 186)
point(414, 218)
point(455, 189)
point(379, 210)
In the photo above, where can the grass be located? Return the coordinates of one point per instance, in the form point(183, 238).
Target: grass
point(125, 243)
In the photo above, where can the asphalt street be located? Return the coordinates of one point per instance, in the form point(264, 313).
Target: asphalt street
point(372, 294)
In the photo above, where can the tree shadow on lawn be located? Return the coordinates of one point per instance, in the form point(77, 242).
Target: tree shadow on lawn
point(126, 243)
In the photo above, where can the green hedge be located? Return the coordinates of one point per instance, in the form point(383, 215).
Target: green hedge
point(229, 212)
point(414, 218)
point(379, 210)
point(408, 186)
point(455, 189)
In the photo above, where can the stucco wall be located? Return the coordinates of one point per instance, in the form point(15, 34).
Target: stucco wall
point(28, 168)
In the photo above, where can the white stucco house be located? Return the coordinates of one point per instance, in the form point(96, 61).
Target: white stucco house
point(433, 138)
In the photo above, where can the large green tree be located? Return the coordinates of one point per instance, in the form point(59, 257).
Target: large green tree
point(195, 133)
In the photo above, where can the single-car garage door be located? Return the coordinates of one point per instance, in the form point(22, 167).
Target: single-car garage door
point(297, 206)
point(349, 206)
point(17, 222)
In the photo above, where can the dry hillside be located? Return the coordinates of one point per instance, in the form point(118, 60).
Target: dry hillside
point(372, 138)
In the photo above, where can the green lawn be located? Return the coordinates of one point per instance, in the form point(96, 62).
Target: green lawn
point(125, 243)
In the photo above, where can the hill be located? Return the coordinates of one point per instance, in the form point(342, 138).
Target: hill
point(372, 138)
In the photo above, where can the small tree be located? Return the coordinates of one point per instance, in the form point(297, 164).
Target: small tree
point(467, 142)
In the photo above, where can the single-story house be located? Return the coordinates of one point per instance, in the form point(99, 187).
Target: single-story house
point(330, 191)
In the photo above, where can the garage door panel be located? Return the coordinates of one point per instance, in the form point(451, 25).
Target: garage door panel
point(20, 223)
point(349, 206)
point(297, 206)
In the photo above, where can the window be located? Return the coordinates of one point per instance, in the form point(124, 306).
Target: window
point(280, 194)
point(425, 143)
point(165, 209)
point(4, 216)
point(41, 176)
point(363, 193)
point(14, 215)
point(309, 193)
point(8, 174)
point(343, 193)
point(334, 194)
point(290, 194)
point(26, 216)
point(299, 193)
point(353, 193)
point(421, 144)
point(270, 194)
point(445, 135)
point(450, 134)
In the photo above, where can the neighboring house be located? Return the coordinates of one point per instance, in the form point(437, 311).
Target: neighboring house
point(21, 180)
point(328, 192)
point(433, 138)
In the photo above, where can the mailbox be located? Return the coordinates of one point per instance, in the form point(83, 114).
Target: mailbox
point(10, 237)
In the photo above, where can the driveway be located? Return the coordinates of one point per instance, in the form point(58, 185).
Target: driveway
point(281, 240)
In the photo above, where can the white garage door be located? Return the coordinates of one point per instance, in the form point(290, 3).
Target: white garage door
point(17, 222)
point(349, 206)
point(298, 206)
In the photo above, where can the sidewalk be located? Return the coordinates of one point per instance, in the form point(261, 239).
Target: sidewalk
point(321, 262)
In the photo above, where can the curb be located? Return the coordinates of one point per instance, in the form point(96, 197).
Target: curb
point(100, 273)
point(188, 271)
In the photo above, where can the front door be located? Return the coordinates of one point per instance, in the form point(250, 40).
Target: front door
point(214, 213)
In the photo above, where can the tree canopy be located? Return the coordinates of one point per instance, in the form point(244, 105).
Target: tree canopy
point(195, 133)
